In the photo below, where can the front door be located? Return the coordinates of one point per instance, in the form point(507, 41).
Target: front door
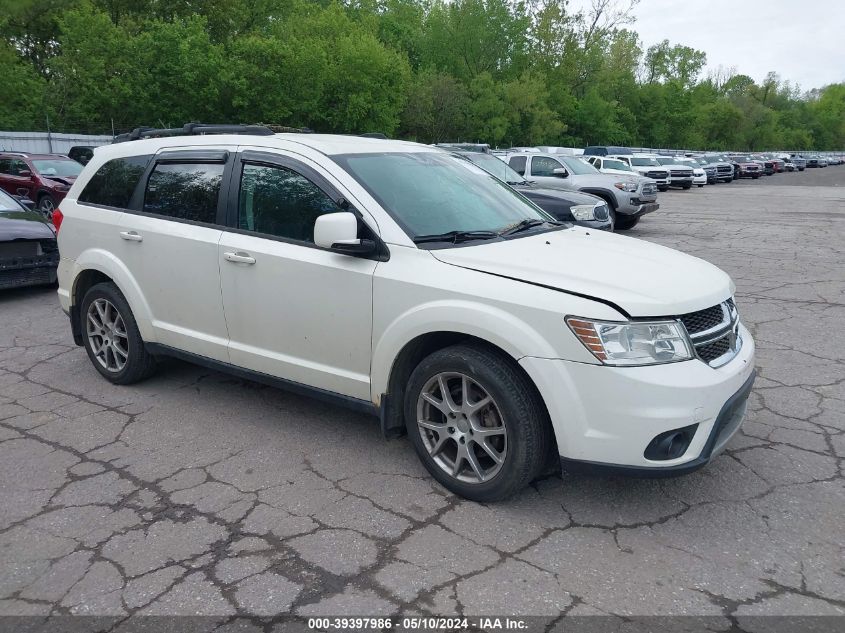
point(293, 310)
point(12, 182)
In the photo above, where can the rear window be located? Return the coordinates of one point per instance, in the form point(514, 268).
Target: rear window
point(184, 191)
point(115, 182)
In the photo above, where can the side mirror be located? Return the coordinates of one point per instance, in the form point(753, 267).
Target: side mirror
point(560, 172)
point(25, 173)
point(339, 232)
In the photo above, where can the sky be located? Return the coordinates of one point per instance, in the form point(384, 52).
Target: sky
point(801, 40)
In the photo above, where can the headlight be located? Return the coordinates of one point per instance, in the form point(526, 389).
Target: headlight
point(62, 188)
point(582, 212)
point(633, 343)
point(630, 187)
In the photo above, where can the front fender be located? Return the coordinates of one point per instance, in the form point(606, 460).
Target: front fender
point(106, 263)
point(496, 326)
point(605, 194)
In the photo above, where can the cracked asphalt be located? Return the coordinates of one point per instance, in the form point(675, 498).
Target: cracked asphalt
point(198, 493)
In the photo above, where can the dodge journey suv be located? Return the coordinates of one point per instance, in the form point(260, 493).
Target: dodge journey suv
point(401, 280)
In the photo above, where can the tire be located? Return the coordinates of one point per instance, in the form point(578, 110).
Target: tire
point(626, 222)
point(755, 176)
point(519, 428)
point(687, 187)
point(665, 188)
point(699, 186)
point(107, 343)
point(46, 206)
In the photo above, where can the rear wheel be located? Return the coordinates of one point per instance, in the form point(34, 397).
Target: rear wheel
point(111, 336)
point(476, 422)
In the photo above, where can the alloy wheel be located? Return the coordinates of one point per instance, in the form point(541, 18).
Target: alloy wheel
point(107, 335)
point(462, 427)
point(47, 207)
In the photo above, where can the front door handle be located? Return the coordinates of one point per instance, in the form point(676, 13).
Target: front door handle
point(131, 236)
point(239, 258)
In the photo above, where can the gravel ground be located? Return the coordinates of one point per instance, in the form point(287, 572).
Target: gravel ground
point(198, 493)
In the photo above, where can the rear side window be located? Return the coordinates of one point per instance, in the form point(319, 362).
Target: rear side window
point(114, 182)
point(184, 191)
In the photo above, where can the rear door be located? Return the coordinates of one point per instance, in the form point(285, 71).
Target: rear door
point(171, 237)
point(294, 310)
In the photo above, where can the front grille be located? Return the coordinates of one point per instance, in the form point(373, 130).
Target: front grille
point(658, 175)
point(714, 332)
point(681, 173)
point(724, 169)
point(711, 351)
point(752, 168)
point(703, 320)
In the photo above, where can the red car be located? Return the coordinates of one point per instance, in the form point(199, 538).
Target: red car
point(44, 178)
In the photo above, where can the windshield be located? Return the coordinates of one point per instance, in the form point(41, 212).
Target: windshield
point(60, 168)
point(577, 166)
point(637, 161)
point(8, 204)
point(495, 166)
point(615, 164)
point(665, 160)
point(429, 193)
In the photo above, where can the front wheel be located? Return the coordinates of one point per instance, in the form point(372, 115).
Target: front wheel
point(46, 206)
point(700, 186)
point(111, 336)
point(687, 187)
point(625, 222)
point(476, 422)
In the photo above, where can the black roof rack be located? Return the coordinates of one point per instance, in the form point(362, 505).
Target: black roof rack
point(193, 129)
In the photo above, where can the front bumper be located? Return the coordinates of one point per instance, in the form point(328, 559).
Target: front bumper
point(28, 271)
point(638, 208)
point(607, 416)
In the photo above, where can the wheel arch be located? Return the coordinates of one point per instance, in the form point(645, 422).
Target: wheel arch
point(604, 194)
point(98, 266)
point(397, 353)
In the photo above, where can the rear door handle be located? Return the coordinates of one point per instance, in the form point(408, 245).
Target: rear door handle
point(239, 258)
point(131, 236)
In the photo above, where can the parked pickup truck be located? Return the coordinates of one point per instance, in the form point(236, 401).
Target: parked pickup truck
point(646, 166)
point(629, 198)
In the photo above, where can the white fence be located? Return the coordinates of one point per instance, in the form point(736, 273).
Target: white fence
point(48, 143)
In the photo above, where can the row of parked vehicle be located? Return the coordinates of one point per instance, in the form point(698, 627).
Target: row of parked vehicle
point(620, 184)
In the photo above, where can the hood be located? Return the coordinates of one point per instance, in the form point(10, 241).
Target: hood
point(628, 174)
point(63, 180)
point(24, 225)
point(643, 279)
point(568, 195)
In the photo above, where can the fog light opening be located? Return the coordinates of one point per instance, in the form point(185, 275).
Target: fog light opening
point(670, 444)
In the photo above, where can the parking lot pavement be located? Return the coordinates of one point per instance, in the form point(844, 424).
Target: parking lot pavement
point(198, 493)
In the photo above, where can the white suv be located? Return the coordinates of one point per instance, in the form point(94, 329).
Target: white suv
point(400, 280)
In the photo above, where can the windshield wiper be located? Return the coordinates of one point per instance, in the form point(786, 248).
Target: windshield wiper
point(456, 236)
point(524, 225)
